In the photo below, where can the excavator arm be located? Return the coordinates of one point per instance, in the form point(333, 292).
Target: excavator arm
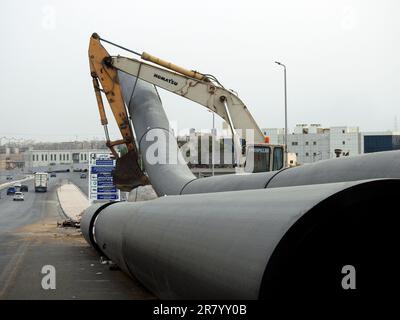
point(128, 173)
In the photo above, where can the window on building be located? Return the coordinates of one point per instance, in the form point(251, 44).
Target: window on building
point(42, 157)
point(85, 157)
point(37, 157)
point(297, 154)
point(314, 154)
point(314, 143)
point(343, 142)
point(67, 157)
point(343, 131)
point(33, 157)
point(60, 156)
point(307, 154)
point(306, 143)
point(45, 157)
point(294, 143)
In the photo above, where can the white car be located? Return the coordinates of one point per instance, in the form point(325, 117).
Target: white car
point(18, 196)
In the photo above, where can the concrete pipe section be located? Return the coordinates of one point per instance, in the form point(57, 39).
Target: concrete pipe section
point(249, 244)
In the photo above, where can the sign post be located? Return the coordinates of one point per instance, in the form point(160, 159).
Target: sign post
point(101, 184)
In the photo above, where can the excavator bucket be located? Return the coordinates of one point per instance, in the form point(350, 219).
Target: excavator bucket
point(128, 174)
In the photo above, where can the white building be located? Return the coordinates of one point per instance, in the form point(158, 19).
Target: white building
point(311, 145)
point(58, 158)
point(312, 142)
point(347, 139)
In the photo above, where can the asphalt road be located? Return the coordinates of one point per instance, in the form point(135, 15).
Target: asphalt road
point(30, 239)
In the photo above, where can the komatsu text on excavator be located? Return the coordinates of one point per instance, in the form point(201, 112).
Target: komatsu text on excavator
point(195, 86)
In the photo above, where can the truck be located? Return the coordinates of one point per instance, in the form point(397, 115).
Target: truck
point(40, 181)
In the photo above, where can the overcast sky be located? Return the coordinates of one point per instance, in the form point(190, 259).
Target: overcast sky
point(342, 59)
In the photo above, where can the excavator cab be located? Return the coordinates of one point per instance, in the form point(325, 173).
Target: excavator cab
point(263, 158)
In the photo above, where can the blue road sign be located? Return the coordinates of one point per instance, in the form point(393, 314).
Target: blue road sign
point(104, 162)
point(97, 169)
point(105, 183)
point(106, 189)
point(110, 179)
point(101, 184)
point(104, 175)
point(107, 196)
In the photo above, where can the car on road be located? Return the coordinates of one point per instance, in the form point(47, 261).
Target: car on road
point(18, 196)
point(83, 176)
point(23, 188)
point(17, 185)
point(53, 175)
point(11, 191)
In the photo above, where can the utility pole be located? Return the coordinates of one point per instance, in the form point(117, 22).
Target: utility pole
point(286, 131)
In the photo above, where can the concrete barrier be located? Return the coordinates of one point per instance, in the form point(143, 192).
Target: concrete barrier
point(72, 201)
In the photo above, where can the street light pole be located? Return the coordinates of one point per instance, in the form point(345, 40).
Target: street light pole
point(212, 142)
point(286, 131)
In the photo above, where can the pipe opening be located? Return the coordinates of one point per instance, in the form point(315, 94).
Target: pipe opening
point(348, 228)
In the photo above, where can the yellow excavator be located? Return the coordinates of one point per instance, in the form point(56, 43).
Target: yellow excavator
point(202, 88)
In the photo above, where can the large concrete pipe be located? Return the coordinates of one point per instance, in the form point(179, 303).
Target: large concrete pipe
point(150, 121)
point(246, 244)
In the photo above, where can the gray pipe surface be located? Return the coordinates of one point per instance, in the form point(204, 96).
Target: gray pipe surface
point(218, 245)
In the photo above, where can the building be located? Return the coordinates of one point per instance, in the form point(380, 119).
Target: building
point(312, 142)
point(11, 161)
point(276, 135)
point(380, 141)
point(309, 143)
point(11, 158)
point(346, 139)
point(49, 159)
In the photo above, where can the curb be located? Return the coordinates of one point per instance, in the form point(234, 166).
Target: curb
point(59, 204)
